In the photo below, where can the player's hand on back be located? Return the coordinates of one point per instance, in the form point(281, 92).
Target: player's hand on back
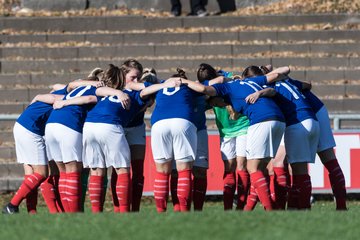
point(252, 98)
point(58, 104)
point(100, 84)
point(173, 82)
point(124, 100)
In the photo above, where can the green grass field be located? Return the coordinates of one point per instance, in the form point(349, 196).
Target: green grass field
point(322, 222)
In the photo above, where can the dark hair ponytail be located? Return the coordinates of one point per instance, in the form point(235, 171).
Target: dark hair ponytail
point(206, 72)
point(180, 73)
point(251, 71)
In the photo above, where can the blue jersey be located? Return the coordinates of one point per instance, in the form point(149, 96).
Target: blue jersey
point(200, 108)
point(73, 116)
point(109, 110)
point(35, 115)
point(292, 102)
point(236, 91)
point(175, 102)
point(313, 100)
point(138, 120)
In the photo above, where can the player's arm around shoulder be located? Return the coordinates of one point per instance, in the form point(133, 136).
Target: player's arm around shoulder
point(122, 97)
point(278, 74)
point(169, 83)
point(198, 87)
point(266, 92)
point(47, 98)
point(75, 101)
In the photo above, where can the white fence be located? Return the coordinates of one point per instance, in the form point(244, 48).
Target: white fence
point(335, 118)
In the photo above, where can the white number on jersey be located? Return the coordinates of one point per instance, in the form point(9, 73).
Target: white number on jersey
point(256, 87)
point(113, 99)
point(79, 94)
point(292, 89)
point(166, 91)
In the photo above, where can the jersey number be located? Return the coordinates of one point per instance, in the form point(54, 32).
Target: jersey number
point(166, 91)
point(293, 90)
point(78, 94)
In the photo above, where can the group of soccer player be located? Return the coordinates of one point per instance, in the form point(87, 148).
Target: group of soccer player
point(270, 126)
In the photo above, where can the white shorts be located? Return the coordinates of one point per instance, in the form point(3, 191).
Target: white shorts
point(105, 146)
point(63, 144)
point(136, 135)
point(173, 138)
point(30, 147)
point(301, 141)
point(202, 152)
point(326, 139)
point(232, 147)
point(263, 139)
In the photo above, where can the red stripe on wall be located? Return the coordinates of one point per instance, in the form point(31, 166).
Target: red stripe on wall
point(216, 166)
point(354, 168)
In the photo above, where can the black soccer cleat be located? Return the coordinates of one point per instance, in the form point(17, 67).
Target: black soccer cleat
point(10, 209)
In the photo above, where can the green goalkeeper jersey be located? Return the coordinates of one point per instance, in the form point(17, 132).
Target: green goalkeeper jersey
point(227, 127)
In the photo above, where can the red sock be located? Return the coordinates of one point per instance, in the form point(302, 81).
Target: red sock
point(199, 192)
point(96, 192)
point(31, 201)
point(280, 187)
point(123, 191)
point(229, 189)
point(137, 184)
point(114, 197)
point(242, 188)
point(161, 191)
point(337, 181)
point(258, 180)
point(174, 193)
point(73, 191)
point(48, 192)
point(251, 200)
point(29, 184)
point(304, 185)
point(62, 191)
point(184, 190)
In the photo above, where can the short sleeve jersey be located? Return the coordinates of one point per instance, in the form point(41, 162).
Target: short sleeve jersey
point(175, 102)
point(35, 116)
point(200, 108)
point(138, 120)
point(313, 100)
point(109, 110)
point(292, 102)
point(236, 91)
point(73, 116)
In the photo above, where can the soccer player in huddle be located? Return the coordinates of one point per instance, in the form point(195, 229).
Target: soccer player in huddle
point(173, 138)
point(64, 137)
point(301, 123)
point(29, 131)
point(232, 142)
point(325, 148)
point(105, 144)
